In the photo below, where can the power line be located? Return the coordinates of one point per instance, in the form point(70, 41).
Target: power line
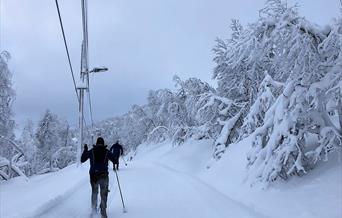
point(67, 50)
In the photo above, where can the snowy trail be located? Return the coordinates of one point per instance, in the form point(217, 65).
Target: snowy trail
point(164, 181)
point(153, 190)
point(67, 205)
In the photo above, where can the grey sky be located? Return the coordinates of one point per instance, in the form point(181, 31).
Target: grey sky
point(143, 43)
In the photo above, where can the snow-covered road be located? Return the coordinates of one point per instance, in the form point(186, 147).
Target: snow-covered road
point(164, 181)
point(153, 190)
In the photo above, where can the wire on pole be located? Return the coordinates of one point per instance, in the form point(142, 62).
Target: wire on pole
point(66, 49)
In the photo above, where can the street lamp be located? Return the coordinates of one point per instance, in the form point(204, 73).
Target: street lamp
point(98, 69)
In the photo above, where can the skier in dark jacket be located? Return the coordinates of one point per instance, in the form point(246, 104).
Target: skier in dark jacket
point(99, 156)
point(117, 151)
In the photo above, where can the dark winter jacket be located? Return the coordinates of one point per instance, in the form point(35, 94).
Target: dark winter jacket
point(99, 156)
point(117, 150)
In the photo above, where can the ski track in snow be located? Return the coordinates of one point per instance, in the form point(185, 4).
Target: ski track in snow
point(211, 191)
point(51, 205)
point(151, 190)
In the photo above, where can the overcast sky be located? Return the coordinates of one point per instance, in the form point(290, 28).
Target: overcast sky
point(142, 42)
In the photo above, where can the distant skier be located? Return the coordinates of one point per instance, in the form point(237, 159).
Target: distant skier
point(99, 156)
point(117, 151)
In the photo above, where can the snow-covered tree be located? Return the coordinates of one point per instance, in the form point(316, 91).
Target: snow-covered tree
point(6, 100)
point(47, 135)
point(199, 119)
point(10, 152)
point(161, 103)
point(268, 91)
point(295, 135)
point(303, 125)
point(28, 144)
point(66, 153)
point(282, 53)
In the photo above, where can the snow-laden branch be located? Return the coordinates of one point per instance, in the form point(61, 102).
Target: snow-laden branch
point(14, 144)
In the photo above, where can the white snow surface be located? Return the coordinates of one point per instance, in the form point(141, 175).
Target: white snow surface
point(168, 181)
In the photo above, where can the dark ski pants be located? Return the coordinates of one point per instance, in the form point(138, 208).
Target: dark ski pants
point(99, 180)
point(116, 164)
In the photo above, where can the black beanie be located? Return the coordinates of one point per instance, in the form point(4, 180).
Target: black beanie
point(99, 141)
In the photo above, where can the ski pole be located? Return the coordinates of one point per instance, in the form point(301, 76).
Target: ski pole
point(123, 203)
point(124, 161)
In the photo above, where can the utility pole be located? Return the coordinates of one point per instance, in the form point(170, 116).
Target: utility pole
point(83, 85)
point(84, 75)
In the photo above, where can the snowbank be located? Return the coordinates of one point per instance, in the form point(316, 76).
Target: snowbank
point(20, 198)
point(315, 195)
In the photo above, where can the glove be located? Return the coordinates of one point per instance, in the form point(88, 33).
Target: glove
point(85, 147)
